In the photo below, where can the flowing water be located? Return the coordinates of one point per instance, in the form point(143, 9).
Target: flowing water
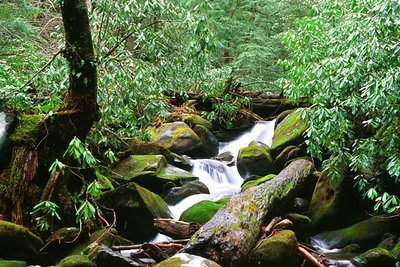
point(3, 129)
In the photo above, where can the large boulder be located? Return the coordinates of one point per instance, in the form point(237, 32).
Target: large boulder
point(376, 257)
point(177, 137)
point(277, 250)
point(288, 132)
point(366, 233)
point(187, 260)
point(289, 153)
point(194, 120)
point(333, 199)
point(209, 143)
point(18, 243)
point(176, 194)
point(135, 207)
point(151, 172)
point(255, 159)
point(202, 211)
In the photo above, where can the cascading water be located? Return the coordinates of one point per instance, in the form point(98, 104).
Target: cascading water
point(221, 179)
point(3, 128)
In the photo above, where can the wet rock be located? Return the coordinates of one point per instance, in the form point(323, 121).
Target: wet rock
point(151, 172)
point(18, 243)
point(225, 157)
point(300, 205)
point(135, 207)
point(254, 182)
point(288, 132)
point(277, 250)
point(255, 159)
point(366, 233)
point(4, 263)
point(177, 137)
point(388, 241)
point(209, 143)
point(376, 257)
point(194, 120)
point(333, 199)
point(76, 261)
point(203, 211)
point(106, 257)
point(187, 260)
point(176, 194)
point(289, 153)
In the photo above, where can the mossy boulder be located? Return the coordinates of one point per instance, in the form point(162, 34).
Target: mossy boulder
point(203, 211)
point(18, 243)
point(301, 225)
point(287, 154)
point(254, 182)
point(288, 132)
point(282, 116)
point(4, 263)
point(366, 233)
point(176, 194)
point(396, 250)
point(277, 250)
point(225, 157)
point(177, 137)
point(76, 261)
point(376, 257)
point(106, 257)
point(135, 207)
point(194, 120)
point(255, 159)
point(333, 199)
point(187, 260)
point(209, 143)
point(151, 172)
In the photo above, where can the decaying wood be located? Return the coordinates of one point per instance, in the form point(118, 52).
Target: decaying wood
point(174, 228)
point(233, 231)
point(172, 243)
point(48, 190)
point(310, 257)
point(266, 231)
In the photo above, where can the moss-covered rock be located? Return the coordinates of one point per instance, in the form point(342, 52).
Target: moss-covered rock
point(255, 159)
point(18, 243)
point(177, 137)
point(186, 260)
point(151, 172)
point(136, 207)
point(301, 225)
point(332, 199)
point(288, 132)
point(193, 120)
point(4, 263)
point(277, 250)
point(209, 143)
point(396, 250)
point(203, 211)
point(225, 157)
point(76, 261)
point(106, 257)
point(282, 116)
point(366, 233)
point(27, 132)
point(287, 154)
point(176, 194)
point(250, 183)
point(376, 257)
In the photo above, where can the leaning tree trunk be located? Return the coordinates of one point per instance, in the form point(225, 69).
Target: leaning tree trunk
point(38, 141)
point(233, 231)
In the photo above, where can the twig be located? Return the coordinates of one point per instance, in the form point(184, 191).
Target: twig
point(163, 244)
point(310, 257)
point(41, 70)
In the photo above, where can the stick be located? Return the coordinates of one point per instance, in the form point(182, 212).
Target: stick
point(310, 257)
point(162, 244)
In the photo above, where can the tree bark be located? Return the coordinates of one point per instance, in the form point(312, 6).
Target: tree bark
point(233, 231)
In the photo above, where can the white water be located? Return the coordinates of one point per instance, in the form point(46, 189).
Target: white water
point(3, 128)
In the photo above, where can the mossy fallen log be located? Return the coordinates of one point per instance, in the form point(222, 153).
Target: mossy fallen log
point(233, 231)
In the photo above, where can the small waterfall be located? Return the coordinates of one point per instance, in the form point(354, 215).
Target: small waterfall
point(221, 179)
point(3, 128)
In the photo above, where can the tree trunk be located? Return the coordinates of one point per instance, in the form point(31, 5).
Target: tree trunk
point(46, 139)
point(233, 231)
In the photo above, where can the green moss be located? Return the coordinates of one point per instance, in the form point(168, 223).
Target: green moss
point(201, 212)
point(4, 263)
point(256, 182)
point(289, 131)
point(154, 203)
point(192, 120)
point(76, 261)
point(28, 131)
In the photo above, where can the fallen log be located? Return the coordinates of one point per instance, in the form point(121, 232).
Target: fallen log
point(233, 231)
point(174, 228)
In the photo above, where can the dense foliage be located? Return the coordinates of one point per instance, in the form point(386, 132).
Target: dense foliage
point(345, 62)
